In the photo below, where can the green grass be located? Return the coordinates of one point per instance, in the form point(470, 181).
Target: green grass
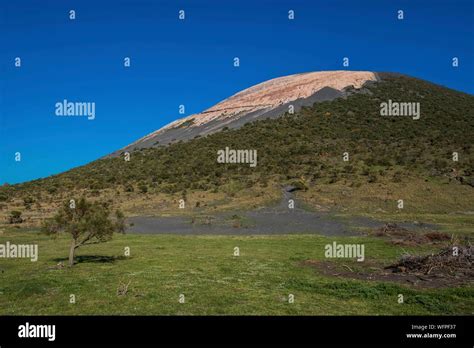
point(213, 281)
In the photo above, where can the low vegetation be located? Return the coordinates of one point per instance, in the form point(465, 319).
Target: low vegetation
point(306, 148)
point(389, 159)
point(213, 280)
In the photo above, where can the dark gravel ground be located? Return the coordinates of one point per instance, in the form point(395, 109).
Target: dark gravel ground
point(272, 220)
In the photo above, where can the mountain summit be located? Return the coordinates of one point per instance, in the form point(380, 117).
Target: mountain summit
point(269, 99)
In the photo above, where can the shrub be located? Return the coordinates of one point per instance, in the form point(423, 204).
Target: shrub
point(15, 217)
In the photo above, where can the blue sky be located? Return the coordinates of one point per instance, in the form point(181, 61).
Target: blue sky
point(190, 62)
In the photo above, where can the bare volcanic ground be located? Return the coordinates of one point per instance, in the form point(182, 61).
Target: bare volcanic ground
point(269, 99)
point(266, 221)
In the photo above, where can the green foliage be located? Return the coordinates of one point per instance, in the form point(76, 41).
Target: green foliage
point(269, 269)
point(28, 201)
point(86, 222)
point(299, 185)
point(120, 221)
point(15, 217)
point(308, 144)
point(143, 188)
point(3, 197)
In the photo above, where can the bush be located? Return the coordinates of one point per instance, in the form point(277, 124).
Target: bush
point(15, 217)
point(299, 185)
point(143, 188)
point(28, 201)
point(397, 177)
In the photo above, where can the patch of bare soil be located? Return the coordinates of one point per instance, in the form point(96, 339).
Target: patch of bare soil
point(401, 236)
point(430, 271)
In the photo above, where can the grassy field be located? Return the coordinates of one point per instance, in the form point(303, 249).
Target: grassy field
point(212, 279)
point(259, 281)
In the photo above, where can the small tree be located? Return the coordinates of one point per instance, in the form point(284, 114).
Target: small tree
point(86, 222)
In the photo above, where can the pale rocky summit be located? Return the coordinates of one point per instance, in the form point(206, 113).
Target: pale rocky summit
point(269, 99)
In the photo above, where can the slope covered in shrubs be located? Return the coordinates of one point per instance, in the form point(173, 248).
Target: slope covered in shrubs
point(306, 146)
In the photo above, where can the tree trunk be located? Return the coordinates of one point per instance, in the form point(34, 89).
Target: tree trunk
point(72, 253)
